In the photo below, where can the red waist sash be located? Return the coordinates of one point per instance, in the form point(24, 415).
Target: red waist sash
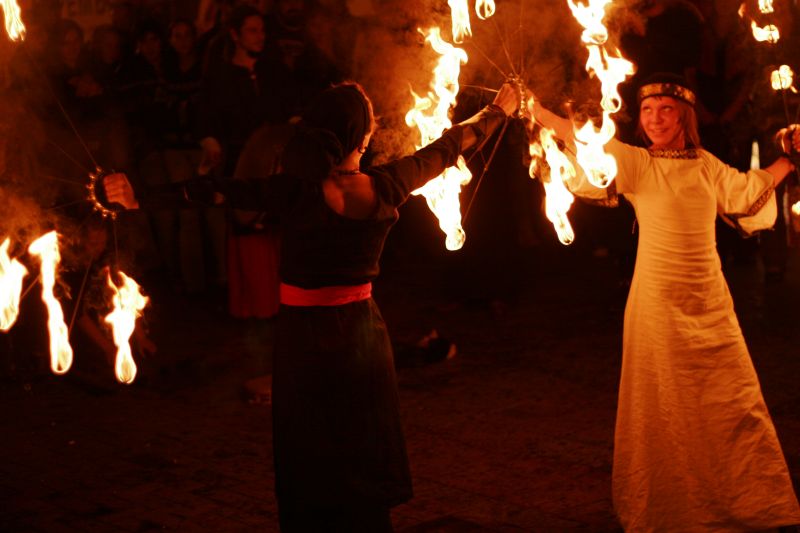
point(324, 296)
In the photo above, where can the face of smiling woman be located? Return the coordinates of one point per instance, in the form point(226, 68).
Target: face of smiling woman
point(660, 119)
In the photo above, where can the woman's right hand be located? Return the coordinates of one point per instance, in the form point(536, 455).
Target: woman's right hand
point(119, 191)
point(508, 97)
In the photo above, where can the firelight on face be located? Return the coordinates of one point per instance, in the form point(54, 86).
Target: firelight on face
point(660, 119)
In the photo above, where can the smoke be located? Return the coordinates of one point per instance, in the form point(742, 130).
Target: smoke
point(32, 200)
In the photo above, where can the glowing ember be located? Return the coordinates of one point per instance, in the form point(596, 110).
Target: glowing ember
point(765, 6)
point(431, 115)
point(459, 13)
point(128, 304)
point(783, 78)
point(46, 248)
point(13, 18)
point(484, 8)
point(558, 199)
point(11, 274)
point(768, 33)
point(611, 70)
point(796, 209)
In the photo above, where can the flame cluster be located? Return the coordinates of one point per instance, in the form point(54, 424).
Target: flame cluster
point(46, 248)
point(430, 115)
point(13, 20)
point(459, 15)
point(558, 199)
point(128, 304)
point(611, 69)
point(12, 272)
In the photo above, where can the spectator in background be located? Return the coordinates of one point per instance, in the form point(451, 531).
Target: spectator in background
point(299, 72)
point(215, 44)
point(89, 108)
point(238, 96)
point(107, 56)
point(198, 232)
point(301, 69)
point(144, 90)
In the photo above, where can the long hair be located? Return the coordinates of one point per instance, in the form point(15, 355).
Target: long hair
point(688, 121)
point(335, 123)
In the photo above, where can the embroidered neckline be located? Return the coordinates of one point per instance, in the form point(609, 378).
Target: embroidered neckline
point(669, 153)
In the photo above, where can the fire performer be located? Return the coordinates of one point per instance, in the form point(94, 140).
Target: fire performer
point(694, 448)
point(339, 450)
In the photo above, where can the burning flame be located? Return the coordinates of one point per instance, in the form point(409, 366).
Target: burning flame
point(46, 248)
point(128, 304)
point(484, 8)
point(796, 209)
point(765, 6)
point(13, 19)
point(11, 274)
point(783, 78)
point(768, 33)
point(611, 70)
point(557, 198)
point(459, 13)
point(431, 115)
point(591, 18)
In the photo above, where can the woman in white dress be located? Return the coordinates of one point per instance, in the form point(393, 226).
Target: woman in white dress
point(695, 448)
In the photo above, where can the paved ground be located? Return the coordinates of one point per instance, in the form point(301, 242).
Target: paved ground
point(513, 434)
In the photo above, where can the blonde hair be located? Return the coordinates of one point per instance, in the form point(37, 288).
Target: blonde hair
point(688, 121)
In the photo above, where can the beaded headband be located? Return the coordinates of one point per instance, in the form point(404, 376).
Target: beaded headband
point(666, 89)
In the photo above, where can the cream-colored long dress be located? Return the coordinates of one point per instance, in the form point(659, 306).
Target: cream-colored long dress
point(695, 449)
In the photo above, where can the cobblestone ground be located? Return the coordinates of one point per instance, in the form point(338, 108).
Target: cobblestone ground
point(513, 434)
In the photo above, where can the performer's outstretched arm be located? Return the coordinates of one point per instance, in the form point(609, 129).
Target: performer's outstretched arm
point(789, 141)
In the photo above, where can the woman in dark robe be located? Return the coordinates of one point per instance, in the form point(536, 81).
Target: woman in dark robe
point(339, 450)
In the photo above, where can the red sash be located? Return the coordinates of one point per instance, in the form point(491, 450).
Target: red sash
point(324, 296)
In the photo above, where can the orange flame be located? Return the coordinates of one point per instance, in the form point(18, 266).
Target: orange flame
point(557, 198)
point(591, 18)
point(484, 8)
point(431, 115)
point(11, 274)
point(46, 248)
point(128, 304)
point(783, 78)
point(765, 6)
point(611, 70)
point(796, 209)
point(768, 33)
point(459, 13)
point(13, 19)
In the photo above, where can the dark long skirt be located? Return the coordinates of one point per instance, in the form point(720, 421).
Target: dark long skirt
point(338, 442)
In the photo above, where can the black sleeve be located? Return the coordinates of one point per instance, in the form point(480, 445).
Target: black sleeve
point(395, 181)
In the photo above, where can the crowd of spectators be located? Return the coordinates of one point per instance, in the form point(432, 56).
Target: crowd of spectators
point(160, 97)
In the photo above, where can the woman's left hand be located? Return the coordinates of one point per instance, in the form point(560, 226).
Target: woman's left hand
point(508, 98)
point(795, 129)
point(790, 140)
